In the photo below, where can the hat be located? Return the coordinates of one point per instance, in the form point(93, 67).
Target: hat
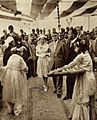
point(8, 41)
point(42, 36)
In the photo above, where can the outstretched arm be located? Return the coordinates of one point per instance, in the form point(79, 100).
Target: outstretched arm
point(76, 61)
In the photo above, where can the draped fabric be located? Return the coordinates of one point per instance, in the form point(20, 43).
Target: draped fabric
point(36, 7)
point(88, 11)
point(10, 18)
point(49, 7)
point(76, 5)
point(44, 8)
point(10, 4)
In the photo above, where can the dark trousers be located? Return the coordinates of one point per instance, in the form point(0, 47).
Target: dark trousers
point(1, 87)
point(70, 81)
point(58, 83)
point(34, 74)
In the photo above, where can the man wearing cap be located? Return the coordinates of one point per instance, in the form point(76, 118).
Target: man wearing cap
point(58, 59)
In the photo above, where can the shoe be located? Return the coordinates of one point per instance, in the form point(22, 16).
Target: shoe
point(59, 95)
point(69, 117)
point(66, 98)
point(45, 88)
point(55, 91)
point(16, 113)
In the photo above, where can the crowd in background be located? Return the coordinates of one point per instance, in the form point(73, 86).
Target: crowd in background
point(67, 37)
point(45, 51)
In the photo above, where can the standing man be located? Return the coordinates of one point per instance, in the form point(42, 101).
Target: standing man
point(27, 56)
point(70, 80)
point(4, 37)
point(58, 59)
point(22, 34)
point(34, 36)
point(33, 56)
point(13, 34)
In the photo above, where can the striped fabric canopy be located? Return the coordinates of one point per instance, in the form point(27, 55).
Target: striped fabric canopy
point(48, 8)
point(76, 5)
point(36, 7)
point(9, 4)
point(88, 11)
point(44, 8)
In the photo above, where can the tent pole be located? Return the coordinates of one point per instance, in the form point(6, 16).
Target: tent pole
point(89, 22)
point(59, 26)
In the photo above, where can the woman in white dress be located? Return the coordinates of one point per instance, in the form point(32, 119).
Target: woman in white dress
point(14, 82)
point(85, 84)
point(42, 51)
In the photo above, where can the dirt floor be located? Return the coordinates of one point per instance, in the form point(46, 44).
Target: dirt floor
point(41, 105)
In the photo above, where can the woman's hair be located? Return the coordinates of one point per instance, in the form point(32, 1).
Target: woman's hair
point(82, 45)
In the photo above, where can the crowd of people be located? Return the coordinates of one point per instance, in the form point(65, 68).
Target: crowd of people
point(41, 52)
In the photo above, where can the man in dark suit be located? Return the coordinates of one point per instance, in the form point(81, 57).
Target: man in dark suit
point(58, 59)
point(70, 80)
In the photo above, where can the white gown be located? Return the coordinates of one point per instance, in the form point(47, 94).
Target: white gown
point(14, 81)
point(82, 90)
point(43, 60)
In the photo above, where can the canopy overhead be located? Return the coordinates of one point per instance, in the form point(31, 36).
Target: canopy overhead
point(88, 11)
point(36, 7)
point(48, 8)
point(10, 4)
point(45, 8)
point(76, 5)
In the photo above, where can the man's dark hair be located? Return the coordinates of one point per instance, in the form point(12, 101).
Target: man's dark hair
point(10, 27)
point(21, 30)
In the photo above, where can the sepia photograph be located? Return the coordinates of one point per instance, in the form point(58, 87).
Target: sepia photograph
point(48, 59)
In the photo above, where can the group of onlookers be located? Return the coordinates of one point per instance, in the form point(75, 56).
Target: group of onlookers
point(39, 53)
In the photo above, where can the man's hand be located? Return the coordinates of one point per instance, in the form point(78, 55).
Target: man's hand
point(51, 72)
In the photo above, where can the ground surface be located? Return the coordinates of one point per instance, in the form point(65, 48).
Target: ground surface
point(41, 105)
